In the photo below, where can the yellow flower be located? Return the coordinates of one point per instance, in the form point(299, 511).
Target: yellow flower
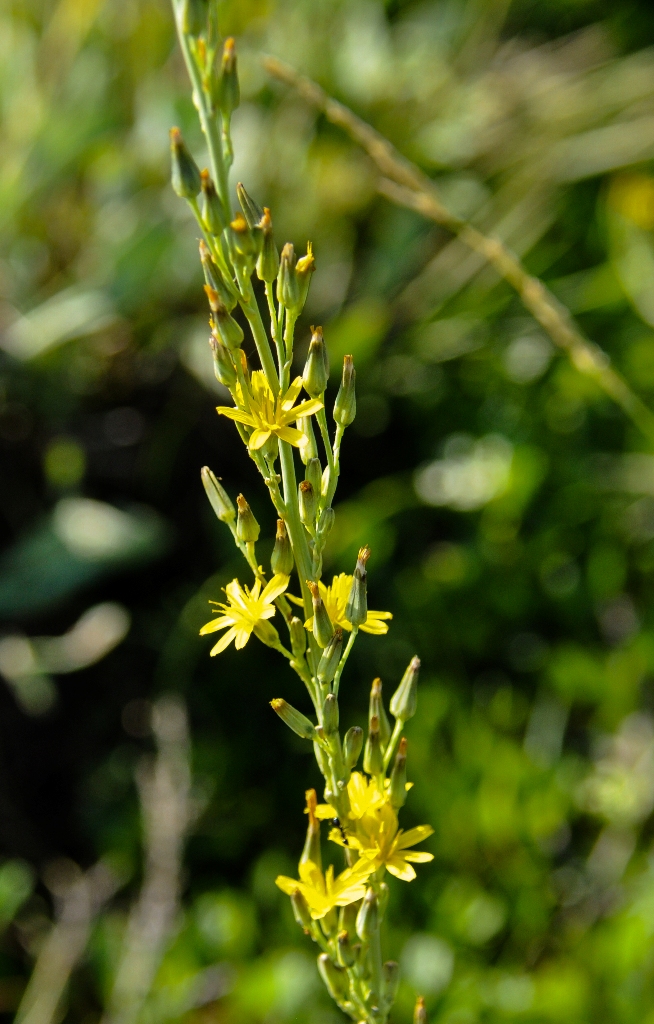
point(335, 600)
point(364, 797)
point(268, 414)
point(246, 613)
point(324, 892)
point(382, 844)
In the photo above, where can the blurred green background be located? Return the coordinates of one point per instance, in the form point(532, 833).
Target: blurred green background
point(508, 503)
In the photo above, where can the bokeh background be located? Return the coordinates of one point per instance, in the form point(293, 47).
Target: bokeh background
point(508, 502)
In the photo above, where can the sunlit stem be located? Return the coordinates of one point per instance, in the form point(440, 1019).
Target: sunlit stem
point(298, 539)
point(250, 307)
point(393, 742)
point(275, 330)
point(345, 655)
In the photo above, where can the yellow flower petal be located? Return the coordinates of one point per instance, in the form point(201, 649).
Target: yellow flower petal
point(216, 624)
point(413, 836)
point(291, 435)
point(307, 408)
point(277, 586)
point(291, 394)
point(224, 641)
point(399, 867)
point(258, 438)
point(418, 856)
point(236, 414)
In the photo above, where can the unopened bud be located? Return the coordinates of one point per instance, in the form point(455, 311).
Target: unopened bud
point(304, 269)
point(307, 503)
point(251, 209)
point(301, 911)
point(316, 368)
point(330, 658)
point(281, 560)
point(224, 324)
point(345, 406)
point(298, 636)
point(268, 262)
point(245, 241)
point(287, 287)
point(223, 365)
point(247, 528)
point(377, 708)
point(352, 744)
point(330, 714)
point(313, 474)
point(325, 524)
point(356, 609)
point(346, 955)
point(405, 699)
point(229, 93)
point(391, 981)
point(419, 1012)
point(185, 175)
point(308, 447)
point(373, 755)
point(368, 916)
point(295, 720)
point(398, 777)
point(213, 214)
point(323, 630)
point(334, 977)
point(221, 503)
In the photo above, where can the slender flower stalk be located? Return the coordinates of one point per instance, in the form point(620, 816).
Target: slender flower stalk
point(341, 907)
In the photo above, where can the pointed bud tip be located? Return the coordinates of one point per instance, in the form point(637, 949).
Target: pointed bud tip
point(376, 687)
point(401, 752)
point(175, 136)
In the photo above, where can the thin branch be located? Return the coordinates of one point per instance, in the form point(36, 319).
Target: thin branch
point(405, 184)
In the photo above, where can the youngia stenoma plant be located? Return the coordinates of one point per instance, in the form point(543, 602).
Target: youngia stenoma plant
point(343, 910)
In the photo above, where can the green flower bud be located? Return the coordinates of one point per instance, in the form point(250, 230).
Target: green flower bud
point(377, 709)
point(329, 923)
point(304, 269)
point(223, 365)
point(373, 755)
point(224, 324)
point(247, 528)
point(323, 630)
point(313, 474)
point(356, 609)
point(405, 699)
point(311, 851)
point(419, 1012)
point(345, 406)
point(330, 658)
point(229, 93)
point(325, 524)
point(335, 978)
point(321, 758)
point(251, 209)
point(330, 714)
point(185, 175)
point(301, 911)
point(281, 560)
point(345, 953)
point(295, 720)
point(213, 213)
point(368, 916)
point(195, 15)
point(298, 636)
point(391, 981)
point(245, 242)
point(287, 287)
point(267, 633)
point(352, 745)
point(215, 280)
point(398, 777)
point(268, 262)
point(316, 369)
point(307, 503)
point(308, 449)
point(221, 503)
point(347, 919)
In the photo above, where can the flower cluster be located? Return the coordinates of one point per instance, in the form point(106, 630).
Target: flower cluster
point(286, 432)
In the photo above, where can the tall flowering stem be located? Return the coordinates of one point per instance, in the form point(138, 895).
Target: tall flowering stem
point(285, 427)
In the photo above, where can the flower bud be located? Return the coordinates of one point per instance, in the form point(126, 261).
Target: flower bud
point(223, 366)
point(281, 560)
point(308, 447)
point(295, 720)
point(391, 981)
point(301, 911)
point(329, 923)
point(352, 744)
point(373, 755)
point(398, 777)
point(325, 523)
point(266, 632)
point(268, 262)
point(313, 474)
point(335, 978)
point(247, 528)
point(298, 636)
point(245, 242)
point(304, 269)
point(323, 630)
point(311, 851)
point(356, 609)
point(287, 287)
point(330, 714)
point(330, 658)
point(215, 280)
point(345, 953)
point(213, 213)
point(377, 708)
point(368, 916)
point(195, 15)
point(221, 503)
point(307, 503)
point(405, 699)
point(185, 176)
point(251, 209)
point(420, 1013)
point(316, 368)
point(224, 324)
point(345, 406)
point(229, 93)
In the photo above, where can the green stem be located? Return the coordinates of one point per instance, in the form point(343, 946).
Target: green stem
point(250, 307)
point(274, 330)
point(393, 742)
point(345, 655)
point(298, 539)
